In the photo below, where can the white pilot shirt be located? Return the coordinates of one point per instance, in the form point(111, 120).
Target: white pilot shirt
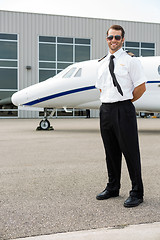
point(129, 74)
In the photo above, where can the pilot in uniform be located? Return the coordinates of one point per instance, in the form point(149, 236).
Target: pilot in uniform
point(118, 122)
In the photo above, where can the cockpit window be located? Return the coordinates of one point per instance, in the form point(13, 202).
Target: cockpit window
point(69, 73)
point(78, 73)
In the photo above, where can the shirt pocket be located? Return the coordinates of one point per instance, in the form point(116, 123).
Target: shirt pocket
point(121, 71)
point(123, 77)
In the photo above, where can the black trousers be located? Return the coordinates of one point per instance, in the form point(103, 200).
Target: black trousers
point(118, 125)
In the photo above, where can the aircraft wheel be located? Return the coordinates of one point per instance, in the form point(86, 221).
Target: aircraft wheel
point(44, 124)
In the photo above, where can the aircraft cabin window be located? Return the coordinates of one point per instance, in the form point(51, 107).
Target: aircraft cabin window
point(78, 73)
point(69, 73)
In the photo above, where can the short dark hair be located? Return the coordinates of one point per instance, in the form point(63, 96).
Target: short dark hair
point(117, 27)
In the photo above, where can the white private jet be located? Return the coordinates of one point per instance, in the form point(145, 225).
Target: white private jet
point(74, 87)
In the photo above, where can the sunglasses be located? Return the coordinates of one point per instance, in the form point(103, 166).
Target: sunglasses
point(117, 37)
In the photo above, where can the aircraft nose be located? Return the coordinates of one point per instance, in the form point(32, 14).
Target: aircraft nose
point(15, 98)
point(18, 98)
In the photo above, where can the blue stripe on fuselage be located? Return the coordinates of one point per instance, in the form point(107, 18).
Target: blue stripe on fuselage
point(67, 93)
point(153, 82)
point(59, 95)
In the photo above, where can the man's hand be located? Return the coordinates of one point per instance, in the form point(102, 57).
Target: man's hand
point(138, 92)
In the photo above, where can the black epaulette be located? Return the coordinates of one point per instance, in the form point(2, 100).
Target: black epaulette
point(102, 58)
point(130, 53)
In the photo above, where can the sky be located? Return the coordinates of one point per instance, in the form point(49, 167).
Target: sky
point(130, 10)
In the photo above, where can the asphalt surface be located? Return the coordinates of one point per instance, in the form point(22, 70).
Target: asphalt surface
point(49, 179)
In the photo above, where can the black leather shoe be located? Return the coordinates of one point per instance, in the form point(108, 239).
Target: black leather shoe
point(132, 201)
point(107, 194)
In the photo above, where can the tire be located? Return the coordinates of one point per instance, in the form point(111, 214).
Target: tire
point(44, 124)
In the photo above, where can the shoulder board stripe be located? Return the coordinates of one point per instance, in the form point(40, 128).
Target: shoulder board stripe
point(130, 53)
point(102, 58)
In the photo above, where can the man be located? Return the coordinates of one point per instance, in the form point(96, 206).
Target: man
point(121, 81)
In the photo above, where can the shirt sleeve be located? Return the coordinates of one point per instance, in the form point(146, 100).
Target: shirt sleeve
point(136, 72)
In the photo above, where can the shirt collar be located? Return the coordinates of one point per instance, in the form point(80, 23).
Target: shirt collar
point(116, 54)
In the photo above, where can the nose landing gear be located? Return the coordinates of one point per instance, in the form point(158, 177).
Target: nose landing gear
point(45, 124)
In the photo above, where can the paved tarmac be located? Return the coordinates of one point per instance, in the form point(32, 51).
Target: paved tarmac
point(49, 179)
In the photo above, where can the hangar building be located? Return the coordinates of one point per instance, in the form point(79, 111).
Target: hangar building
point(34, 47)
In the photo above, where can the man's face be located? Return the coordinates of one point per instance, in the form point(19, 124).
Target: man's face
point(114, 45)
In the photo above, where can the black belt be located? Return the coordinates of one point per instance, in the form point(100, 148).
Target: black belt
point(119, 102)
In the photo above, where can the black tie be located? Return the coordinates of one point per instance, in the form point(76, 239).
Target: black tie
point(111, 69)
